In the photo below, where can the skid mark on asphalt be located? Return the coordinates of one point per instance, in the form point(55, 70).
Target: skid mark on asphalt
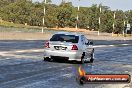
point(20, 56)
point(109, 67)
point(29, 67)
point(62, 78)
point(45, 76)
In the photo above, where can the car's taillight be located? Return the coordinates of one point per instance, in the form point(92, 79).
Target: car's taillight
point(74, 47)
point(46, 45)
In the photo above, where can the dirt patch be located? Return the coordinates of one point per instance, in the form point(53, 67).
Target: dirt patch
point(71, 29)
point(93, 35)
point(46, 36)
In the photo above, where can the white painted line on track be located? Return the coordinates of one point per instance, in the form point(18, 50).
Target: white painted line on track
point(31, 50)
point(5, 59)
point(67, 75)
point(111, 45)
point(17, 56)
point(13, 53)
point(125, 44)
point(101, 46)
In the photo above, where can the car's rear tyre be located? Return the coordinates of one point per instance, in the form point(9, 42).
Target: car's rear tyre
point(44, 58)
point(47, 59)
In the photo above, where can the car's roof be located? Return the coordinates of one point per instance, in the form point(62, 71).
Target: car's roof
point(69, 33)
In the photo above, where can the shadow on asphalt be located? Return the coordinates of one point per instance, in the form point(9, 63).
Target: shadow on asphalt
point(64, 61)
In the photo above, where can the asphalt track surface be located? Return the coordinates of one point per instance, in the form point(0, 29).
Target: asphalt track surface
point(22, 65)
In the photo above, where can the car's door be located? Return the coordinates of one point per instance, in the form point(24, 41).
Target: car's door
point(85, 47)
point(89, 47)
point(83, 43)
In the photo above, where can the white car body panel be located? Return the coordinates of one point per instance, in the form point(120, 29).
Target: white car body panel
point(63, 49)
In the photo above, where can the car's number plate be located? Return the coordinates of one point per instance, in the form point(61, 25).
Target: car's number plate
point(60, 48)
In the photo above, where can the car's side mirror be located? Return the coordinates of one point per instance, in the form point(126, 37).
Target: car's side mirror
point(90, 43)
point(87, 43)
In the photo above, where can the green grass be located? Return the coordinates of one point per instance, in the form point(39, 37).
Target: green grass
point(12, 27)
point(10, 24)
point(27, 30)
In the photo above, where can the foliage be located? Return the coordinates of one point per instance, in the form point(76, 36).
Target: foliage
point(63, 15)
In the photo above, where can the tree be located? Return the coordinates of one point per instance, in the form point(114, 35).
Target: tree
point(130, 17)
point(64, 14)
point(51, 15)
point(119, 21)
point(106, 21)
point(94, 15)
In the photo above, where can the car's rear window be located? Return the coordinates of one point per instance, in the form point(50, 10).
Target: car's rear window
point(66, 38)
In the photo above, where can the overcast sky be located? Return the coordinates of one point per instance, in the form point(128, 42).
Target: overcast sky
point(113, 4)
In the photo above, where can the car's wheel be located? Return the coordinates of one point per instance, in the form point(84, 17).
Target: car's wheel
point(47, 59)
point(82, 59)
point(92, 58)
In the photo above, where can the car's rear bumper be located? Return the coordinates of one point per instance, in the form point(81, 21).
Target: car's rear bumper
point(74, 55)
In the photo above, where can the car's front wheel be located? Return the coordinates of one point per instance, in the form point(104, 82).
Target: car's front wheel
point(82, 58)
point(92, 58)
point(82, 61)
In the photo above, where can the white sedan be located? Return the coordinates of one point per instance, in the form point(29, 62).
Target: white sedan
point(70, 46)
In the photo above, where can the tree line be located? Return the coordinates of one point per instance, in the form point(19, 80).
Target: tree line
point(65, 15)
